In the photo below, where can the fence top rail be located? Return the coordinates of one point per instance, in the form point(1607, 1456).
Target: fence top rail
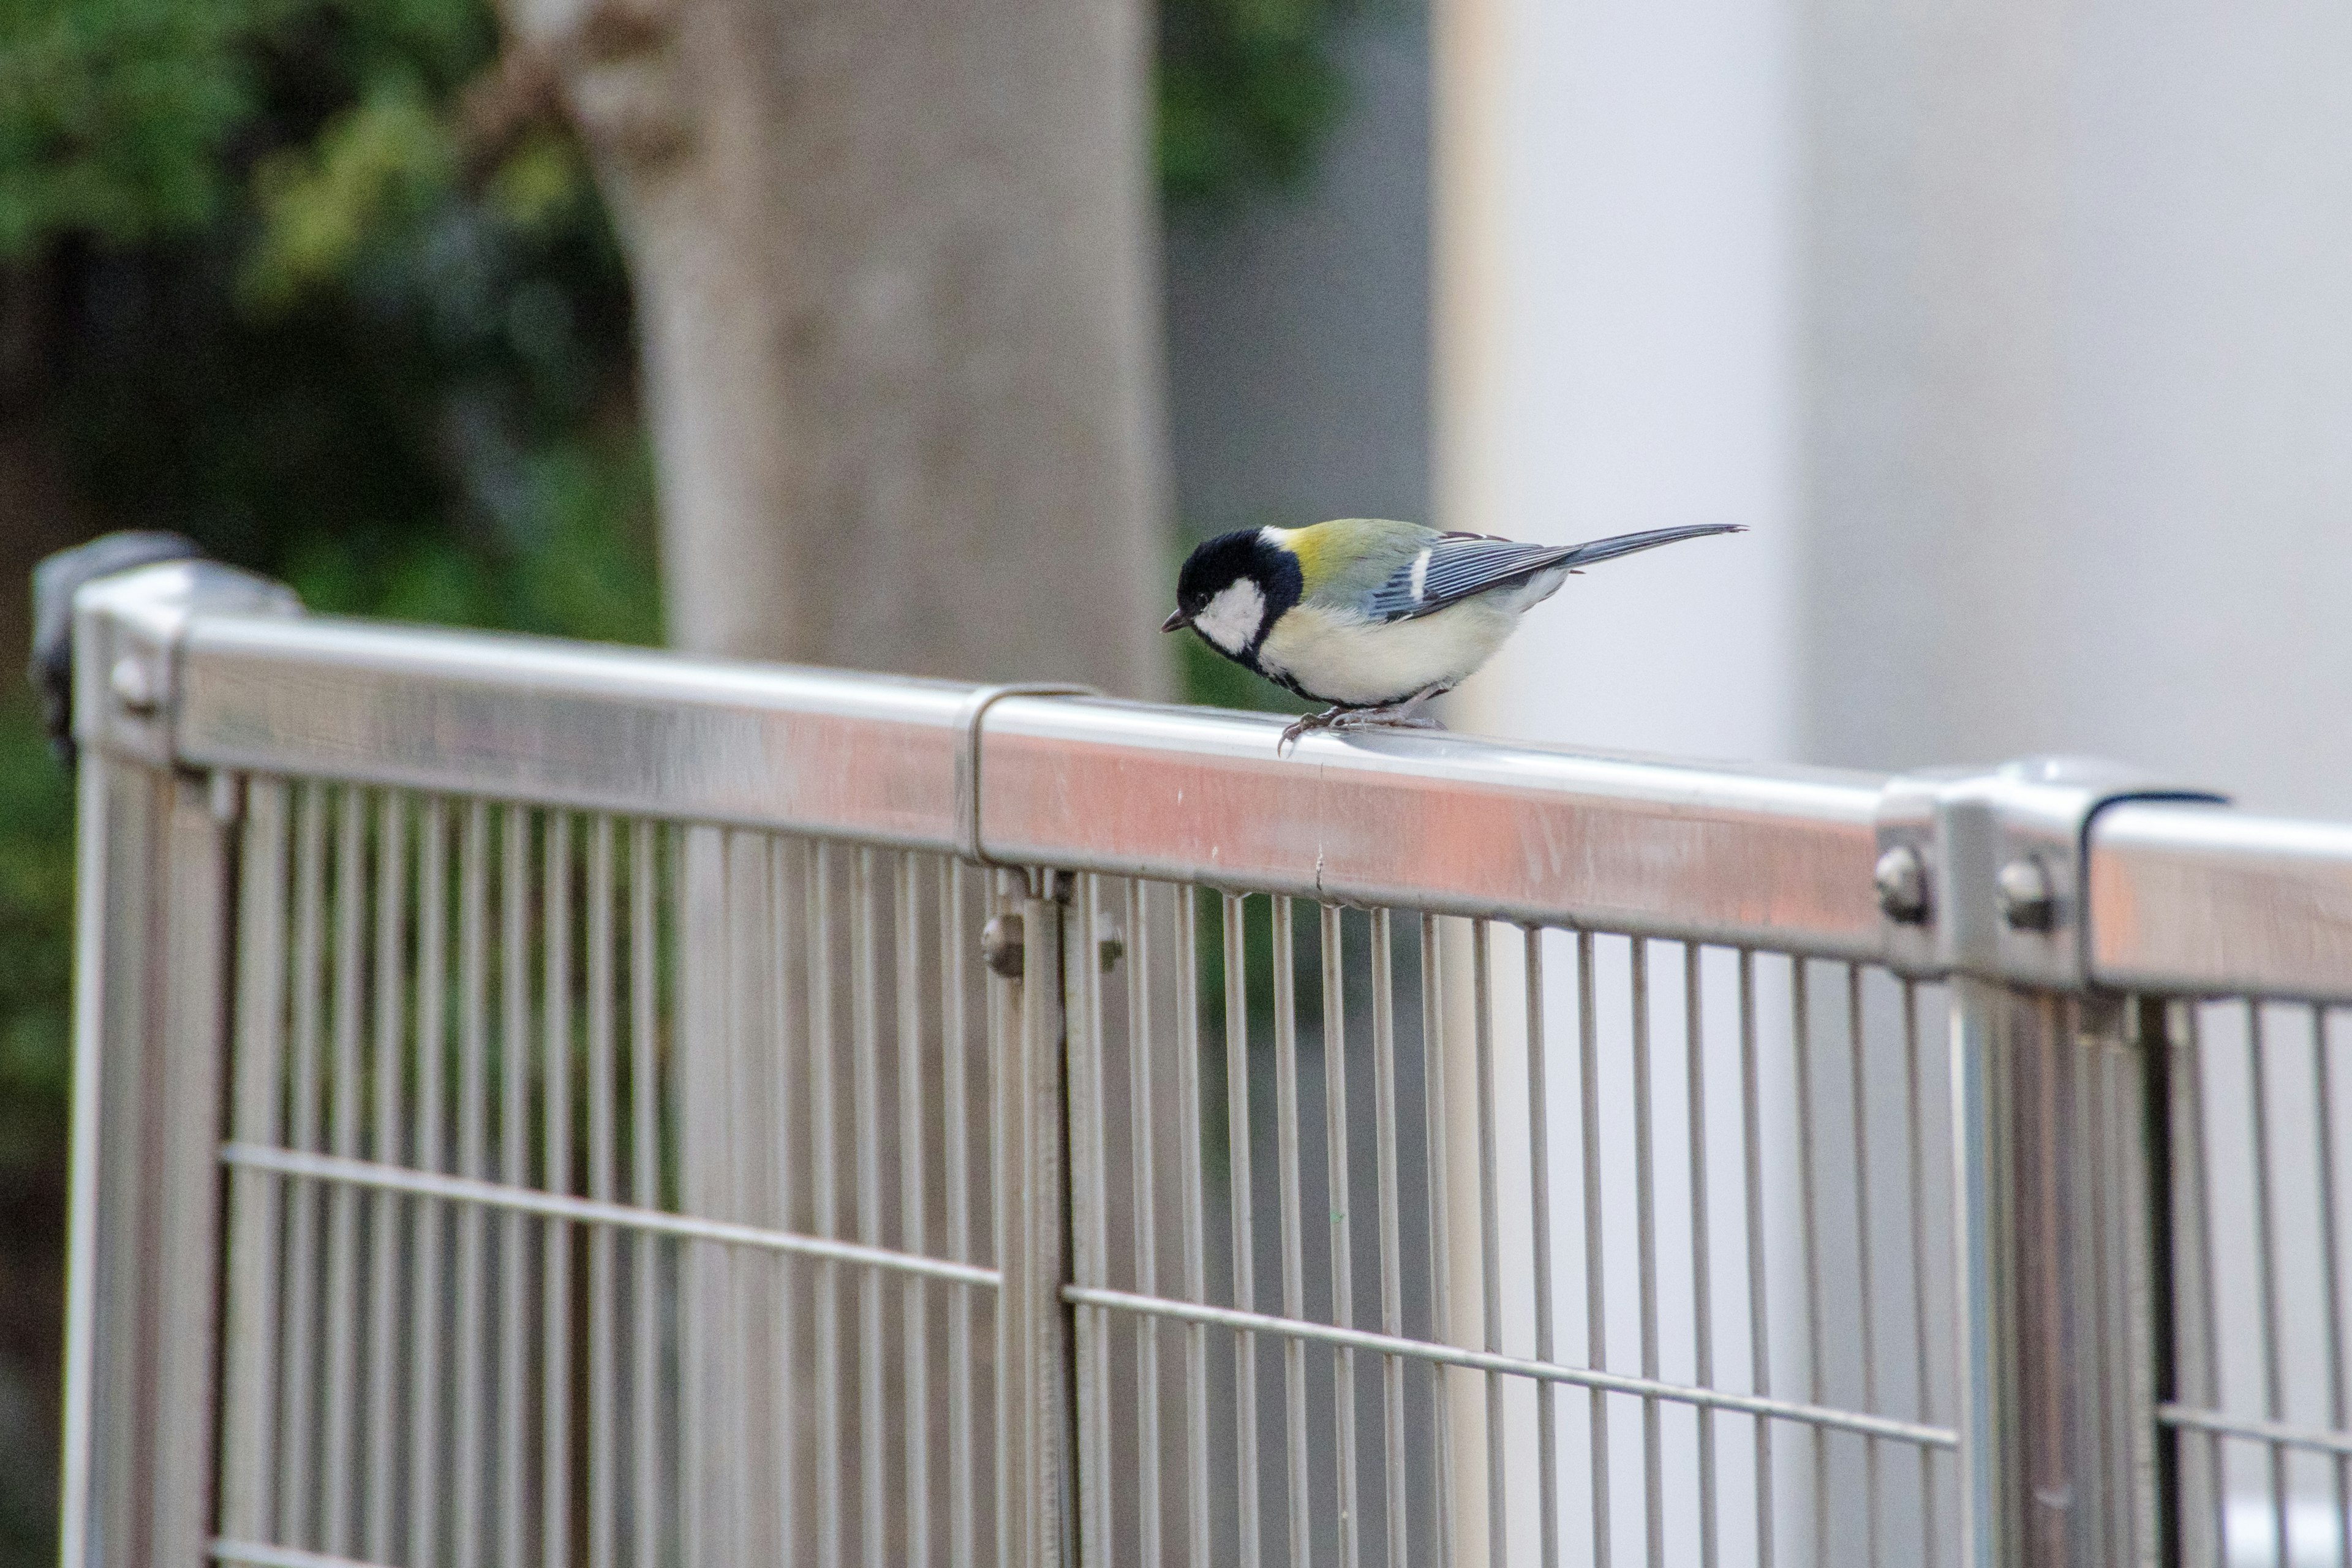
point(2181, 897)
point(1710, 851)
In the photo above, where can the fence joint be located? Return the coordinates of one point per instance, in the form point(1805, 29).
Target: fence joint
point(1982, 871)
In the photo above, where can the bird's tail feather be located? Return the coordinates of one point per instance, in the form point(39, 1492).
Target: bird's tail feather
point(1628, 543)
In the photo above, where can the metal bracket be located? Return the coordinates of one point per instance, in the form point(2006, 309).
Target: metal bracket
point(1982, 871)
point(966, 763)
point(126, 630)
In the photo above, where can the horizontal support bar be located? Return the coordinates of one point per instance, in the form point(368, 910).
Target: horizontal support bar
point(253, 1555)
point(1819, 1416)
point(587, 1211)
point(2319, 1439)
point(2200, 901)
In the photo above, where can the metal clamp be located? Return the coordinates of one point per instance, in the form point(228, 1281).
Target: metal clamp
point(966, 763)
point(111, 634)
point(1982, 871)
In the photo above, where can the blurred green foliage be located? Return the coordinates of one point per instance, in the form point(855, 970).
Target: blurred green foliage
point(1246, 88)
point(262, 282)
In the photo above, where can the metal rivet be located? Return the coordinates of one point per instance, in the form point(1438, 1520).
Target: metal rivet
point(1900, 878)
point(134, 685)
point(1001, 946)
point(2024, 888)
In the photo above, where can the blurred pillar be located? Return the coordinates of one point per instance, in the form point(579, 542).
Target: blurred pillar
point(896, 291)
point(1614, 343)
point(1615, 349)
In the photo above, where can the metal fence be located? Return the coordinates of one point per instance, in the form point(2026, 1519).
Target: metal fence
point(541, 1103)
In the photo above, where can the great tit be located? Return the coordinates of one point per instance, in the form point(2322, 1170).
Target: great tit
point(1375, 617)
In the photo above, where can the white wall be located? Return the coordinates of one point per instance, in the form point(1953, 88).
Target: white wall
point(2078, 365)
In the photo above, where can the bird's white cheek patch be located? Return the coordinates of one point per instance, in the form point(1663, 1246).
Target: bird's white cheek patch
point(1232, 617)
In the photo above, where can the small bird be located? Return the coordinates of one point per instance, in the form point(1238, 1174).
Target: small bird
point(1375, 617)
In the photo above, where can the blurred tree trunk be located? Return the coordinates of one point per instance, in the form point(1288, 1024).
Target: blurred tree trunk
point(893, 280)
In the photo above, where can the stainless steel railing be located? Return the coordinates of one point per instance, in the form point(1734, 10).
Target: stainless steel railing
point(549, 1103)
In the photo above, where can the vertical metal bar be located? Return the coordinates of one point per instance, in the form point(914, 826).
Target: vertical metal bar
point(603, 1369)
point(1433, 1079)
point(1190, 1179)
point(1539, 1196)
point(906, 970)
point(1294, 1261)
point(1089, 1201)
point(1481, 1002)
point(825, 1183)
point(1645, 1207)
point(2159, 1494)
point(343, 1133)
point(514, 1150)
point(248, 1430)
point(700, 1103)
point(1343, 1302)
point(1596, 1297)
point(426, 1225)
point(865, 1094)
point(1702, 1250)
point(2093, 1194)
point(644, 1189)
point(2339, 1409)
point(2197, 1343)
point(555, 1236)
point(1237, 1145)
point(1759, 1339)
point(2266, 1264)
point(1801, 1040)
point(1143, 1134)
point(957, 1153)
point(1384, 1152)
point(784, 941)
point(1864, 1280)
point(97, 829)
point(379, 1459)
point(1914, 1145)
point(473, 1160)
point(297, 1503)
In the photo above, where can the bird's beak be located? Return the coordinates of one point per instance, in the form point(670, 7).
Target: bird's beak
point(1177, 621)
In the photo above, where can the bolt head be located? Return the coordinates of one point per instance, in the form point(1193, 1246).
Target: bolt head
point(1003, 946)
point(1900, 878)
point(2027, 902)
point(134, 685)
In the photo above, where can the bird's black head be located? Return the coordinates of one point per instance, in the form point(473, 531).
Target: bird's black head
point(1232, 588)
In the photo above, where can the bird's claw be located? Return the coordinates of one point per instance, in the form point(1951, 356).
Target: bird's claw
point(1307, 724)
point(1351, 719)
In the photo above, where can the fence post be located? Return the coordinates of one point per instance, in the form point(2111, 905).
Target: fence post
point(153, 956)
point(1982, 878)
point(1036, 1417)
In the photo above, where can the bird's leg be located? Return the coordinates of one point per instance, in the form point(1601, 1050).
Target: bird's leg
point(1404, 715)
point(1307, 724)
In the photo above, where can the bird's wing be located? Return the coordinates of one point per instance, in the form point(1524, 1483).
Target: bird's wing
point(1455, 566)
